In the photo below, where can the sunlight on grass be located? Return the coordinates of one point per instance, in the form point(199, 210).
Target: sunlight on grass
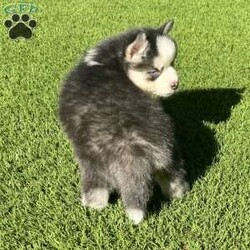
point(39, 189)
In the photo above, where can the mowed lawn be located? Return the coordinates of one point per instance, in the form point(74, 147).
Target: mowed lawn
point(39, 181)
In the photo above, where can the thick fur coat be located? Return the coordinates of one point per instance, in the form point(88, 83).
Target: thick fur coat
point(122, 138)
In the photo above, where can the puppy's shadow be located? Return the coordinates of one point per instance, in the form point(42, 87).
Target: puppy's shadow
point(190, 109)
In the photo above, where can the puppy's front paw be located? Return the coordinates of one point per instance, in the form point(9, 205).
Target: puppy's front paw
point(178, 188)
point(96, 198)
point(135, 214)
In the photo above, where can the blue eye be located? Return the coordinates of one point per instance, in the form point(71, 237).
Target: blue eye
point(153, 74)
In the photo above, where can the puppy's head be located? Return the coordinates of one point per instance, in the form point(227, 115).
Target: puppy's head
point(149, 58)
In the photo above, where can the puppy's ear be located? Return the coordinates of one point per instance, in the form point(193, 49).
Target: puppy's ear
point(137, 50)
point(165, 28)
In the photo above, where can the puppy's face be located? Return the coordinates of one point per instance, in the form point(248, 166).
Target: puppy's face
point(149, 58)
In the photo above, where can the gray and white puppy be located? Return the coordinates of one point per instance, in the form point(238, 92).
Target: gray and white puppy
point(122, 138)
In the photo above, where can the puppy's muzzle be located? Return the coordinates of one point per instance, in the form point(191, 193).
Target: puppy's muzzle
point(174, 85)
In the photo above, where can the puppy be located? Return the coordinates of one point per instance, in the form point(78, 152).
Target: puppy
point(122, 138)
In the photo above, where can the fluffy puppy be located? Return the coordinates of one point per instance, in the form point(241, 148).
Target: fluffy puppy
point(122, 138)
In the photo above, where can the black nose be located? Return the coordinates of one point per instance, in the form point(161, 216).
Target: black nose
point(174, 85)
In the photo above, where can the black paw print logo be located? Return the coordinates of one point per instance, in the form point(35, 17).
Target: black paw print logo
point(20, 27)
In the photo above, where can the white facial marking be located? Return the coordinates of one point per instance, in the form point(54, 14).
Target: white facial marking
point(161, 86)
point(90, 58)
point(166, 52)
point(135, 214)
point(96, 198)
point(164, 81)
point(139, 79)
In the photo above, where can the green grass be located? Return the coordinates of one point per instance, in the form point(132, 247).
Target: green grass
point(39, 182)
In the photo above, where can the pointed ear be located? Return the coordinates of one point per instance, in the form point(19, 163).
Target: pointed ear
point(137, 49)
point(165, 28)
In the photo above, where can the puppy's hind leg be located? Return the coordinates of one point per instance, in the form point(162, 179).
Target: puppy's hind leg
point(135, 186)
point(95, 189)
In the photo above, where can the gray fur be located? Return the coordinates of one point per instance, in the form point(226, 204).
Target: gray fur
point(121, 136)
